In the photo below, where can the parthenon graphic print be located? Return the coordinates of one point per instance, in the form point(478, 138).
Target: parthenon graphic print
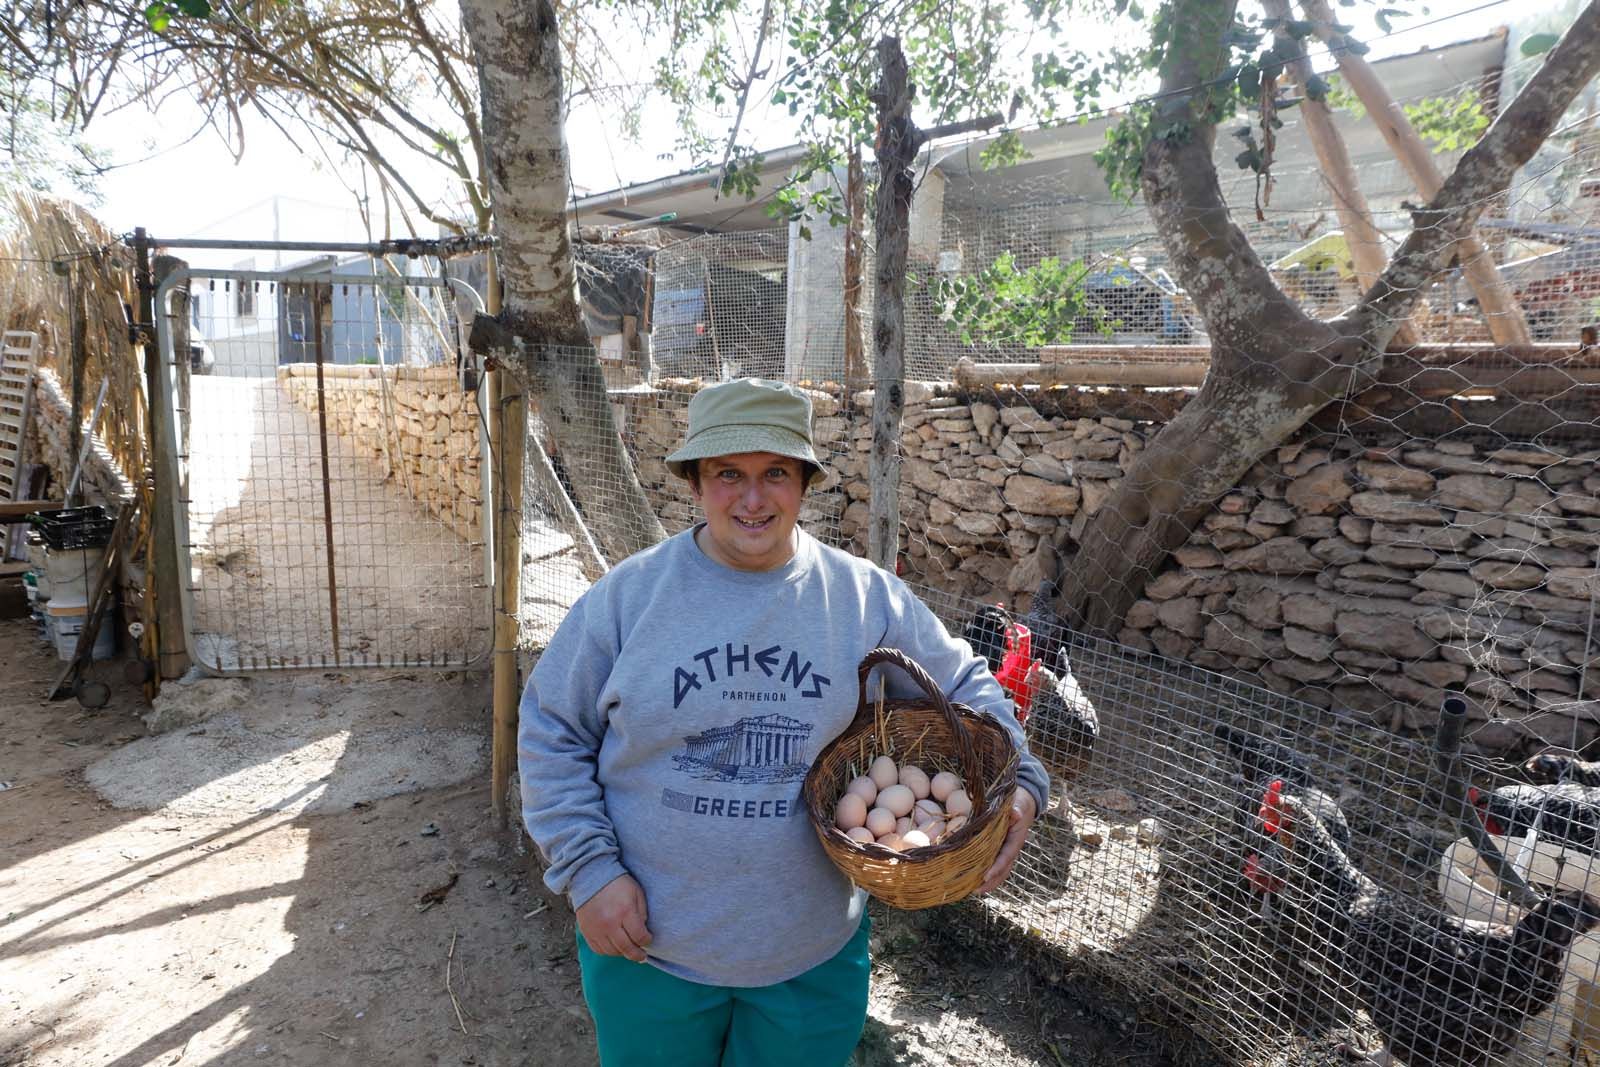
point(757, 748)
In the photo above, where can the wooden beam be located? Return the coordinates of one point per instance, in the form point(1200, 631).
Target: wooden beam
point(19, 510)
point(1187, 372)
point(1543, 352)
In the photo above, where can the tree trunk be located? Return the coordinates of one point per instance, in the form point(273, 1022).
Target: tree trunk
point(1500, 310)
point(1272, 366)
point(898, 141)
point(524, 109)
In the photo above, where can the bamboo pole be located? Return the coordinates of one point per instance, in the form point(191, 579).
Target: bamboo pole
point(1355, 217)
point(1500, 310)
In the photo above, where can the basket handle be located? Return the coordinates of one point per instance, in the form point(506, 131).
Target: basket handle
point(966, 754)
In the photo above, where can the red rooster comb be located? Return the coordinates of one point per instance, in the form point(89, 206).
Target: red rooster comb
point(1476, 798)
point(1272, 807)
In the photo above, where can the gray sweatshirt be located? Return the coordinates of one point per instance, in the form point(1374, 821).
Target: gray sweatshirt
point(667, 729)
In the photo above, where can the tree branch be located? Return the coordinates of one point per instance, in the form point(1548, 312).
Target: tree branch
point(744, 95)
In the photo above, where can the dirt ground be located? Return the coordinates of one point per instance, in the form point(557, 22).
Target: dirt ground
point(265, 900)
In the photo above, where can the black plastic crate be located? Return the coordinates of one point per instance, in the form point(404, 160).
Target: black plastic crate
point(87, 527)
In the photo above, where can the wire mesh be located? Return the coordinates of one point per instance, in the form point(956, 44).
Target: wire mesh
point(1431, 533)
point(333, 512)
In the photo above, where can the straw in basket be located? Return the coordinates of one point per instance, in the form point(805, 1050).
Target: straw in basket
point(936, 735)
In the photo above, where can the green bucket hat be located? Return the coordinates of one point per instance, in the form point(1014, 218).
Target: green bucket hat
point(748, 415)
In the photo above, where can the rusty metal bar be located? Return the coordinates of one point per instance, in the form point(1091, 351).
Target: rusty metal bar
point(317, 291)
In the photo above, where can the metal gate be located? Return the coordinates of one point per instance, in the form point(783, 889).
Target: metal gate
point(333, 468)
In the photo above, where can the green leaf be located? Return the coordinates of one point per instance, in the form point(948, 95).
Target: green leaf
point(1538, 44)
point(158, 15)
point(1382, 20)
point(195, 9)
point(1316, 88)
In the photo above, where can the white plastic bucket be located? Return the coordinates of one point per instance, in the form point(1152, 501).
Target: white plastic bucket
point(67, 622)
point(74, 572)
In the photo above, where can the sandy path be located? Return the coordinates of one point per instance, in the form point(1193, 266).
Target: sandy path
point(410, 592)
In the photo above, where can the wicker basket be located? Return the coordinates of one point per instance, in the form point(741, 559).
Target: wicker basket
point(937, 736)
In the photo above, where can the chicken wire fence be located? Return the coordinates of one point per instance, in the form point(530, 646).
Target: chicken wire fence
point(1432, 535)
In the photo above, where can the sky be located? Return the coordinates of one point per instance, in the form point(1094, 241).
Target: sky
point(222, 198)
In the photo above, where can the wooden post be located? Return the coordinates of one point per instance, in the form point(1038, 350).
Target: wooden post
point(711, 317)
point(855, 199)
point(898, 142)
point(327, 481)
point(178, 327)
point(508, 430)
point(511, 405)
point(162, 555)
point(1500, 309)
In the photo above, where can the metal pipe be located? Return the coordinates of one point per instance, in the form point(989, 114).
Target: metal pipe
point(327, 489)
point(400, 246)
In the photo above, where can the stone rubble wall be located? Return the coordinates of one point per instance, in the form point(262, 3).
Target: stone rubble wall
point(1372, 574)
point(415, 422)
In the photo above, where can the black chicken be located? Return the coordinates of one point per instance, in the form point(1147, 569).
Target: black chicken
point(1261, 762)
point(1062, 725)
point(1443, 991)
point(986, 633)
point(1049, 632)
point(1551, 767)
point(1566, 814)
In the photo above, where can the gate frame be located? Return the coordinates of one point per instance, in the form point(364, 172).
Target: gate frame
point(167, 407)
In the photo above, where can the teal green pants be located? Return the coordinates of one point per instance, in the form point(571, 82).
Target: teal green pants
point(644, 1016)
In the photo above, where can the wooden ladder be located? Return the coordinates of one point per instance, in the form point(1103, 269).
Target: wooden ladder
point(18, 350)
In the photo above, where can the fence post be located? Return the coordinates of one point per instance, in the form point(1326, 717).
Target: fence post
point(163, 558)
point(510, 409)
point(898, 141)
point(317, 292)
point(508, 434)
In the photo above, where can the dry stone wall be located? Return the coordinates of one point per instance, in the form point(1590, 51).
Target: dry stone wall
point(1372, 574)
point(414, 421)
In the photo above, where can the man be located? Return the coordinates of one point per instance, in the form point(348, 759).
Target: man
point(664, 737)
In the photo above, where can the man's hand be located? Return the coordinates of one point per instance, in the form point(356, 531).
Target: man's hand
point(613, 920)
point(1024, 809)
